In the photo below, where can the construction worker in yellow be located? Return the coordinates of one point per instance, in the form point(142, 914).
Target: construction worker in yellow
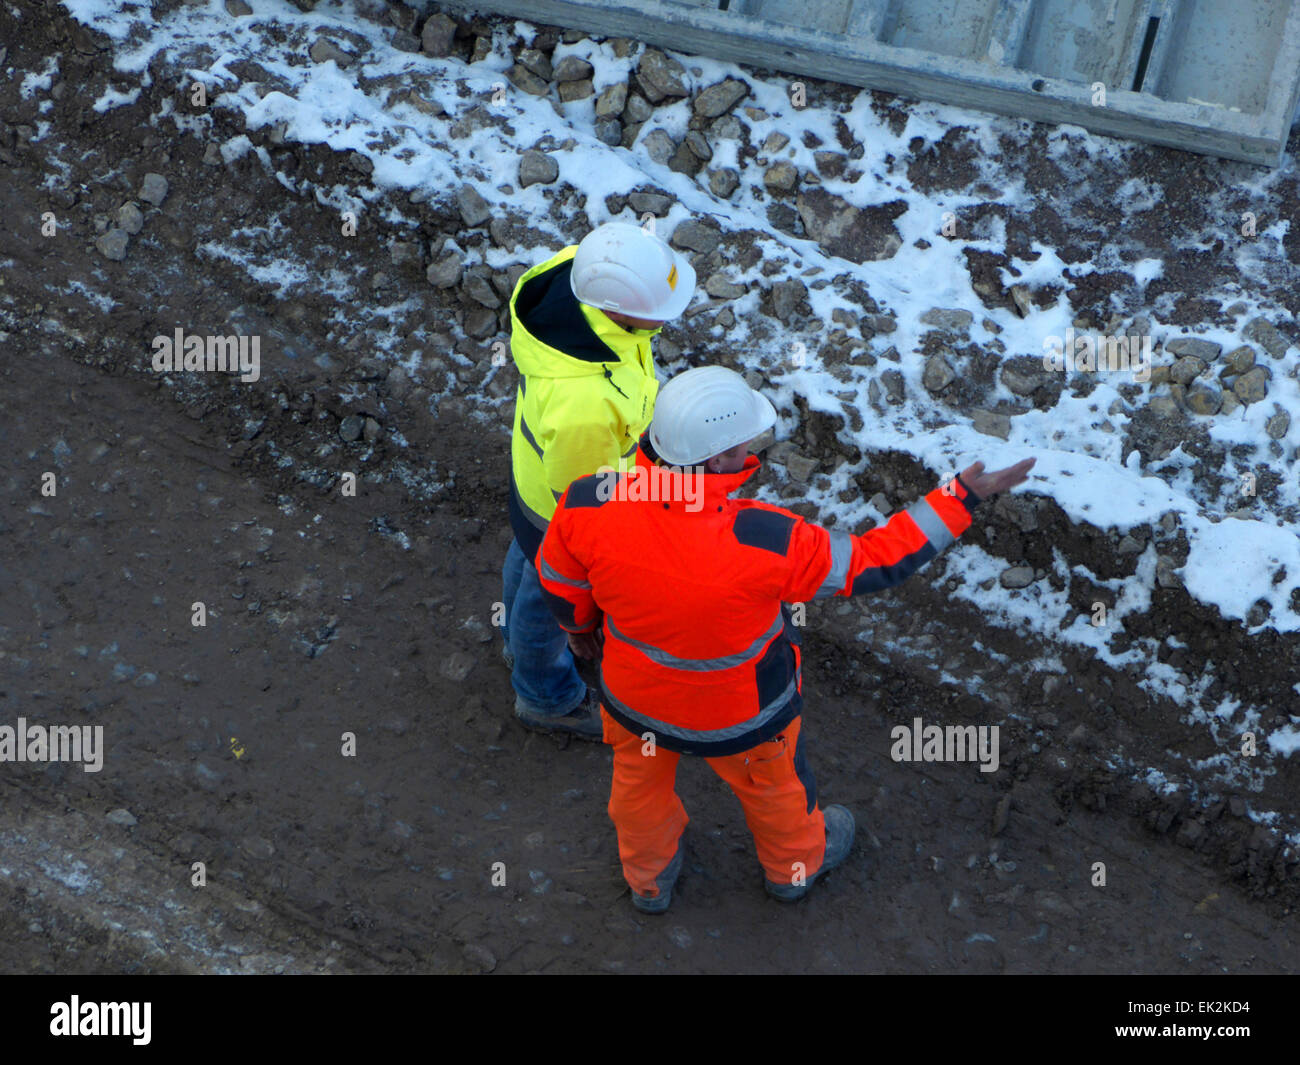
point(581, 326)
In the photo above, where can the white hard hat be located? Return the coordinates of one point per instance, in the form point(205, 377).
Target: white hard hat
point(620, 267)
point(704, 412)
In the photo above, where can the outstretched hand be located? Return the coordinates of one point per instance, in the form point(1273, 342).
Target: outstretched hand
point(990, 484)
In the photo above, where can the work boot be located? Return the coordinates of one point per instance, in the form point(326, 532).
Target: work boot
point(583, 721)
point(664, 881)
point(839, 840)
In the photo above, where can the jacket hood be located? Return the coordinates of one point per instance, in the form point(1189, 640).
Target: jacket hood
point(565, 340)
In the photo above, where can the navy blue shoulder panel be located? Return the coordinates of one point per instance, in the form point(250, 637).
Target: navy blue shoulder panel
point(584, 492)
point(765, 529)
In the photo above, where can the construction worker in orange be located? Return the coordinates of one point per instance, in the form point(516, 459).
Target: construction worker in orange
point(701, 656)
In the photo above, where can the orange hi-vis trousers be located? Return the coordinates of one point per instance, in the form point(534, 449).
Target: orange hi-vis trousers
point(780, 805)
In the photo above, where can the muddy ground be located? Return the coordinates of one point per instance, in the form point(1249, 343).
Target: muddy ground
point(371, 614)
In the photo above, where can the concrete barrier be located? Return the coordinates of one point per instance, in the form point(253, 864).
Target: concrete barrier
point(1219, 77)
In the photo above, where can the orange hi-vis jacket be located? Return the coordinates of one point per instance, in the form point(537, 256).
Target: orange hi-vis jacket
point(699, 648)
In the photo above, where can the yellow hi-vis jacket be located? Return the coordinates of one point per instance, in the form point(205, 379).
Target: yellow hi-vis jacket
point(587, 390)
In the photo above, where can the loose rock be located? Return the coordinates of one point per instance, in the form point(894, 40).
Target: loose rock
point(722, 183)
point(659, 146)
point(153, 189)
point(951, 320)
point(446, 272)
point(660, 77)
point(1252, 386)
point(1017, 577)
point(437, 36)
point(991, 424)
point(1265, 334)
point(611, 101)
point(938, 374)
point(572, 68)
point(719, 99)
point(1205, 350)
point(112, 245)
point(537, 168)
point(474, 210)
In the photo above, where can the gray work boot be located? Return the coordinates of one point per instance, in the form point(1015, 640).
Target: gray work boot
point(840, 828)
point(583, 721)
point(665, 882)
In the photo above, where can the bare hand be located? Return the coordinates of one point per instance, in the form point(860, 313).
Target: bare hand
point(990, 484)
point(584, 644)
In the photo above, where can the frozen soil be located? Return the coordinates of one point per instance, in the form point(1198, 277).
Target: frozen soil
point(371, 614)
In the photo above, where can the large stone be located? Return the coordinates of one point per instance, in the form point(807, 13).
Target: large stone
point(1017, 577)
point(237, 8)
point(1023, 380)
point(609, 131)
point(480, 322)
point(782, 176)
point(637, 109)
point(786, 296)
point(1186, 370)
point(938, 374)
point(572, 68)
point(574, 90)
point(719, 287)
point(1205, 350)
point(537, 168)
point(446, 272)
point(720, 98)
point(659, 146)
point(1265, 334)
point(1278, 424)
point(480, 290)
point(991, 423)
point(536, 61)
point(694, 140)
point(1252, 386)
point(129, 218)
point(153, 189)
point(728, 127)
point(722, 183)
point(843, 230)
point(1238, 360)
point(324, 50)
point(527, 81)
point(830, 164)
point(437, 36)
point(684, 161)
point(695, 236)
point(655, 203)
point(611, 101)
point(474, 210)
point(895, 388)
point(660, 76)
point(1203, 399)
point(951, 320)
point(113, 244)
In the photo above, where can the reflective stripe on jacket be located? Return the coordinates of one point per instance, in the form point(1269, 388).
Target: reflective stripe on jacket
point(699, 646)
point(587, 388)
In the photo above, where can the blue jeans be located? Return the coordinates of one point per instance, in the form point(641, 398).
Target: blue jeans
point(545, 678)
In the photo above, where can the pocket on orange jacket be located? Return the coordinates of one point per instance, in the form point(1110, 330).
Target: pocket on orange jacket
point(769, 763)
